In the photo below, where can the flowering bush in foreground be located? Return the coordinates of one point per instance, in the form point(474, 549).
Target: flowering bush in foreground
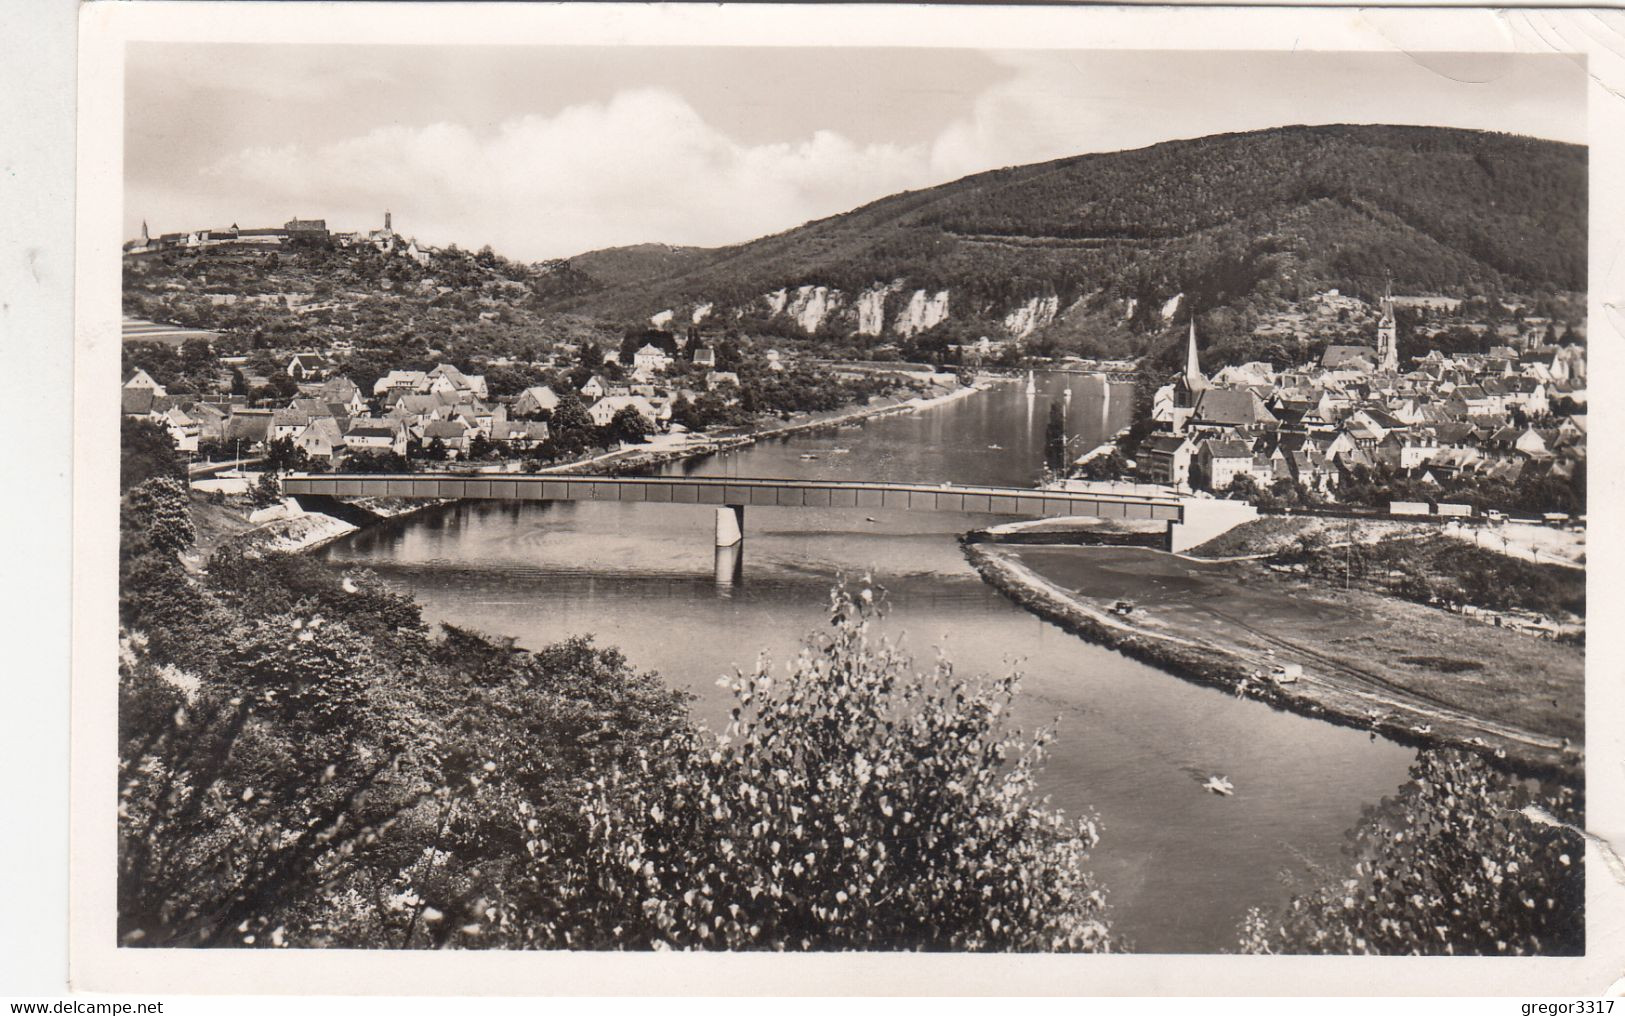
point(853, 803)
point(1464, 860)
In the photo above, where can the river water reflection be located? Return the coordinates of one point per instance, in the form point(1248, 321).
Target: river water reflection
point(1181, 865)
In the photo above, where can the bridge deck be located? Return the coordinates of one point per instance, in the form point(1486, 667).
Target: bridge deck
point(751, 492)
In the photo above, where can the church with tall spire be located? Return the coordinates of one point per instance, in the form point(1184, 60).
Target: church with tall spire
point(1388, 334)
point(1188, 385)
point(1194, 379)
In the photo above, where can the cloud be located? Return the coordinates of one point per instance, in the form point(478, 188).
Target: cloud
point(642, 166)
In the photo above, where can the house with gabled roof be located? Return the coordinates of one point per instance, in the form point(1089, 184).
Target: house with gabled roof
point(342, 389)
point(141, 380)
point(450, 433)
point(287, 423)
point(182, 429)
point(1408, 449)
point(447, 378)
point(376, 435)
point(521, 434)
point(251, 428)
point(1349, 358)
point(651, 358)
point(322, 440)
point(397, 380)
point(309, 366)
point(211, 420)
point(1165, 458)
point(604, 410)
point(536, 399)
point(1218, 462)
point(1229, 408)
point(137, 403)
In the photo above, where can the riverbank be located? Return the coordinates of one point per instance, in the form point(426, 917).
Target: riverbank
point(290, 530)
point(220, 525)
point(638, 457)
point(1411, 694)
point(1075, 531)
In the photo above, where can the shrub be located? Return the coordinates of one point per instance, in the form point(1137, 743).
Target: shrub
point(852, 804)
point(1464, 860)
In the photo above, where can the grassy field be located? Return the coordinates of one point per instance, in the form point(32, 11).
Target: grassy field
point(1270, 534)
point(1414, 560)
point(1410, 668)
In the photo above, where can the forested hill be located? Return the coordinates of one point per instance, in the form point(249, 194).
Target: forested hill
point(1238, 221)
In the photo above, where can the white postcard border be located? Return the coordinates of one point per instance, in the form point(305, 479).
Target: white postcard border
point(98, 964)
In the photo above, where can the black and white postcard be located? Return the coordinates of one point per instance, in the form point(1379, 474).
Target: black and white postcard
point(590, 498)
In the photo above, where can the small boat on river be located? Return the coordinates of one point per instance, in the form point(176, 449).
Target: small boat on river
point(1032, 386)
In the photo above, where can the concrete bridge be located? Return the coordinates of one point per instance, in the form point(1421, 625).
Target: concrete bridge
point(732, 495)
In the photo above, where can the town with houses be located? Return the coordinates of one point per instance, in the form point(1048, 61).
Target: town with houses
point(331, 419)
point(1509, 415)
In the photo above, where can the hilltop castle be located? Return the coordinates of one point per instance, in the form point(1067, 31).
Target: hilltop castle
point(385, 240)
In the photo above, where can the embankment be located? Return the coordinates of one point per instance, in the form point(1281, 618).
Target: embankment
point(1074, 532)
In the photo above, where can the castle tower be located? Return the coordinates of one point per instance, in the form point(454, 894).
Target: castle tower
point(387, 227)
point(1388, 334)
point(145, 237)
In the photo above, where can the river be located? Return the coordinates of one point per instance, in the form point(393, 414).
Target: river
point(1134, 744)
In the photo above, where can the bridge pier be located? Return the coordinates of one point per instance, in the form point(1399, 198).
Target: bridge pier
point(730, 524)
point(730, 568)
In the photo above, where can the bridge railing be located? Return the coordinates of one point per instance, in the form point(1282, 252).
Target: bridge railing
point(743, 491)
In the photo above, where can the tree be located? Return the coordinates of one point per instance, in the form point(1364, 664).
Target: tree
point(571, 429)
point(1055, 438)
point(1244, 488)
point(282, 455)
point(629, 426)
point(1464, 860)
point(267, 492)
point(279, 386)
point(157, 514)
point(197, 356)
point(852, 804)
point(1110, 466)
point(146, 450)
point(380, 461)
point(434, 451)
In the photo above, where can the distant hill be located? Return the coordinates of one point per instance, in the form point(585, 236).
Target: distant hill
point(1126, 242)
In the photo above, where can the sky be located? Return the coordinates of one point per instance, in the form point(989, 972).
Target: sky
point(546, 152)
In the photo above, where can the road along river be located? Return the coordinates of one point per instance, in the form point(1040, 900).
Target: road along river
point(1135, 744)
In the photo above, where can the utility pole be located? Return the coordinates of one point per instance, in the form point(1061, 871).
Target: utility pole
point(1348, 556)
